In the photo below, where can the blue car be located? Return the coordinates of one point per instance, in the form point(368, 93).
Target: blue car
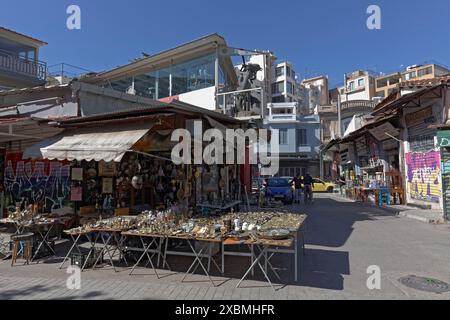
point(280, 189)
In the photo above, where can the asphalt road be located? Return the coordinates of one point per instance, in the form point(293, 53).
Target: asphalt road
point(343, 240)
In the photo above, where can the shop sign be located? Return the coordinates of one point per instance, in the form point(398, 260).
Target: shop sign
point(77, 174)
point(416, 118)
point(76, 193)
point(106, 169)
point(107, 185)
point(444, 138)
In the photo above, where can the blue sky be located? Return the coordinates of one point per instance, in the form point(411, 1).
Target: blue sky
point(319, 37)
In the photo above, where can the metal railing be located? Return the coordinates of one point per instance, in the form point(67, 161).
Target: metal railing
point(32, 68)
point(358, 104)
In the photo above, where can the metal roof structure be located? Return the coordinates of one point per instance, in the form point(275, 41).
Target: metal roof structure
point(166, 58)
point(7, 31)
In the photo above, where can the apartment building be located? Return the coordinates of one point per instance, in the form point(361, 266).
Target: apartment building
point(357, 97)
point(315, 93)
point(359, 85)
point(284, 83)
point(299, 138)
point(386, 84)
point(20, 66)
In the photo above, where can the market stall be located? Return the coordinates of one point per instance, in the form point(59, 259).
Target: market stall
point(45, 228)
point(263, 233)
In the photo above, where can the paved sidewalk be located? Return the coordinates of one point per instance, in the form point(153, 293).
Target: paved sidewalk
point(423, 215)
point(343, 240)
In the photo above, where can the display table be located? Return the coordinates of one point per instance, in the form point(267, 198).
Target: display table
point(265, 247)
point(76, 237)
point(41, 230)
point(152, 239)
point(204, 252)
point(227, 243)
point(106, 236)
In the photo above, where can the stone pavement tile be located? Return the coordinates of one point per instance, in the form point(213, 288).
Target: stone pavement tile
point(255, 294)
point(168, 291)
point(183, 292)
point(210, 293)
point(114, 287)
point(219, 294)
point(134, 288)
point(125, 290)
point(228, 294)
point(192, 293)
point(200, 295)
point(245, 293)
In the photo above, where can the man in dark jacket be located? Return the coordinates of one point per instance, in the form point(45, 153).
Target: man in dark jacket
point(308, 182)
point(297, 181)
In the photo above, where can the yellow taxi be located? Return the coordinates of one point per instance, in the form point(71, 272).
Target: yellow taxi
point(322, 186)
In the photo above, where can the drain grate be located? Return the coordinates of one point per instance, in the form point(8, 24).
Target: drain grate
point(425, 284)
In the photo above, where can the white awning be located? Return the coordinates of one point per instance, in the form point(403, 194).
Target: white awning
point(93, 143)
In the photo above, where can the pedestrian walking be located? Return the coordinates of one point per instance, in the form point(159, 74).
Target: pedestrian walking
point(297, 181)
point(308, 182)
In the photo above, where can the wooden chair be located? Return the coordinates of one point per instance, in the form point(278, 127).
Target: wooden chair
point(17, 240)
point(394, 180)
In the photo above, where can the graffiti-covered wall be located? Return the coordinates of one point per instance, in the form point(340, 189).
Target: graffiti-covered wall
point(38, 181)
point(423, 175)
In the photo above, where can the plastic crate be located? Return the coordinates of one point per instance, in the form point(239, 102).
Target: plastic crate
point(77, 259)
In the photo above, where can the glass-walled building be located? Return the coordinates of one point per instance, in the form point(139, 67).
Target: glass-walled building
point(195, 74)
point(187, 72)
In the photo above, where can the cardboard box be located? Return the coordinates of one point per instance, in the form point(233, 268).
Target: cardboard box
point(122, 212)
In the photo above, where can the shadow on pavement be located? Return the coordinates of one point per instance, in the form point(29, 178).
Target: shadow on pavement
point(330, 224)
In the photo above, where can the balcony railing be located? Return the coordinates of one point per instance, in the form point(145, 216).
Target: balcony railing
point(358, 104)
point(282, 117)
point(31, 68)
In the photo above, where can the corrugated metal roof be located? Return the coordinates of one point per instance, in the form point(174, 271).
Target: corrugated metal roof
point(404, 100)
point(33, 89)
point(175, 106)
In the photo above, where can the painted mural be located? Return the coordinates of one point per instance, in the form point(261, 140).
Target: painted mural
point(423, 172)
point(40, 181)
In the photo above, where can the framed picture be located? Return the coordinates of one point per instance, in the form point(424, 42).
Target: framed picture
point(107, 185)
point(77, 174)
point(107, 169)
point(76, 193)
